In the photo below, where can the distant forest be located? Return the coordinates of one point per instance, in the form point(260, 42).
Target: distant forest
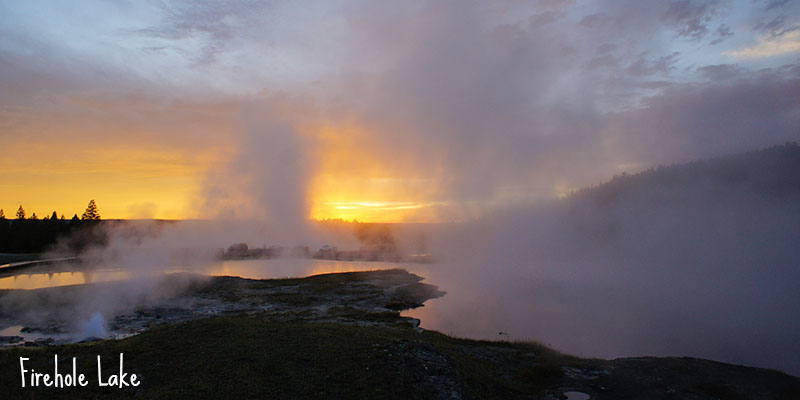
point(770, 172)
point(30, 234)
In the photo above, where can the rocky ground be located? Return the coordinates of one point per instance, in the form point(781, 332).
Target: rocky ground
point(56, 315)
point(333, 336)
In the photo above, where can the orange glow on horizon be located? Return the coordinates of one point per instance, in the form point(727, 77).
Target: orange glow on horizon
point(352, 184)
point(144, 181)
point(126, 183)
point(370, 211)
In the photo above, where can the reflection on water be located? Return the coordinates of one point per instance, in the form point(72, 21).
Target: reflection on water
point(43, 280)
point(585, 318)
point(610, 320)
point(16, 331)
point(254, 269)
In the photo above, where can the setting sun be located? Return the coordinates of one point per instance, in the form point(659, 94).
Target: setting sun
point(352, 183)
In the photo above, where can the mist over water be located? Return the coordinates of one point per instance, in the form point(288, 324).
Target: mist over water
point(669, 279)
point(701, 268)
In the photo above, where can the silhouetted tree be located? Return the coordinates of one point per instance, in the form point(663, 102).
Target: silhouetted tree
point(20, 212)
point(29, 235)
point(75, 218)
point(91, 213)
point(2, 214)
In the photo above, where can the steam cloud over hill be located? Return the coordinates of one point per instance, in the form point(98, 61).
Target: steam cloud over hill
point(697, 259)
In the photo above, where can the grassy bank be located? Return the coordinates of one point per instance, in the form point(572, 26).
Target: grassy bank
point(255, 356)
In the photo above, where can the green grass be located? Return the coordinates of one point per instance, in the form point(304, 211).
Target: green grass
point(256, 357)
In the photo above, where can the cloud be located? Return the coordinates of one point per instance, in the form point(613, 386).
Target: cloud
point(723, 33)
point(487, 104)
point(772, 26)
point(773, 4)
point(788, 43)
point(726, 116)
point(644, 66)
point(721, 72)
point(690, 17)
point(545, 18)
point(596, 21)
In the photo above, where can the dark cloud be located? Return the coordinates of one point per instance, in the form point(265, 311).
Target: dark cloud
point(779, 33)
point(644, 66)
point(545, 18)
point(721, 72)
point(776, 27)
point(596, 21)
point(690, 17)
point(603, 61)
point(553, 5)
point(606, 47)
point(215, 25)
point(690, 121)
point(772, 26)
point(776, 18)
point(773, 4)
point(723, 33)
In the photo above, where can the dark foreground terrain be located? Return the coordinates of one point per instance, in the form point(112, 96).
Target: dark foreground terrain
point(297, 339)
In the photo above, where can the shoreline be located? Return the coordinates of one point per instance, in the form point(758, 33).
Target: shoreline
point(346, 329)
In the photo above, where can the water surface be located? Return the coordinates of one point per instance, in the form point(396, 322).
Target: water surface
point(582, 317)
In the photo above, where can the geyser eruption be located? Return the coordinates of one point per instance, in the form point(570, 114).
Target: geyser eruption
point(95, 327)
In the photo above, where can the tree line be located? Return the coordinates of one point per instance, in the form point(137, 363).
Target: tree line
point(770, 172)
point(30, 234)
point(91, 214)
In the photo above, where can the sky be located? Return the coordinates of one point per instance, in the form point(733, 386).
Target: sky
point(414, 111)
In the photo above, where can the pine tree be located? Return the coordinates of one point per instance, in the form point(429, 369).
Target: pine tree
point(91, 213)
point(2, 214)
point(55, 216)
point(34, 216)
point(21, 212)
